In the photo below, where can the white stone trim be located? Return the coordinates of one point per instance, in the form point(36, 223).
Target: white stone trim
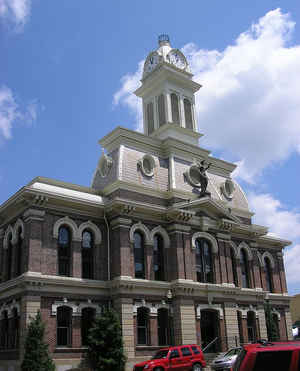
point(261, 264)
point(215, 307)
point(274, 311)
point(142, 228)
point(68, 222)
point(268, 255)
point(92, 227)
point(235, 250)
point(245, 310)
point(82, 306)
point(207, 236)
point(9, 231)
point(161, 231)
point(58, 304)
point(9, 308)
point(244, 246)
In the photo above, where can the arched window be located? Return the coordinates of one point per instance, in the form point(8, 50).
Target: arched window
point(161, 110)
point(19, 252)
point(240, 326)
point(244, 268)
point(139, 255)
point(150, 117)
point(163, 328)
point(64, 326)
point(204, 265)
point(87, 255)
point(268, 271)
point(175, 108)
point(233, 264)
point(251, 326)
point(275, 334)
point(64, 251)
point(142, 326)
point(14, 333)
point(188, 114)
point(87, 318)
point(158, 258)
point(4, 330)
point(9, 252)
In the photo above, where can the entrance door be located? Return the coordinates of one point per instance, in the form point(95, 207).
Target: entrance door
point(210, 330)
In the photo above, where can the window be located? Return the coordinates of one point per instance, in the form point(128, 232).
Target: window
point(87, 318)
point(188, 114)
point(163, 326)
point(233, 264)
point(150, 117)
point(174, 353)
point(240, 326)
point(268, 271)
point(64, 251)
point(186, 351)
point(19, 253)
point(277, 360)
point(161, 110)
point(4, 330)
point(158, 258)
point(64, 326)
point(139, 255)
point(14, 333)
point(195, 349)
point(204, 267)
point(143, 326)
point(9, 258)
point(251, 326)
point(244, 268)
point(175, 108)
point(275, 334)
point(87, 258)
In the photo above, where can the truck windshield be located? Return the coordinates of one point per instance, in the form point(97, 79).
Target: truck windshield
point(160, 354)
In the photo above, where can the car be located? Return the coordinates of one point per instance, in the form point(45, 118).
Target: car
point(225, 361)
point(264, 355)
point(182, 357)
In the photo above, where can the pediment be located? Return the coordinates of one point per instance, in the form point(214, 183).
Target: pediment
point(208, 207)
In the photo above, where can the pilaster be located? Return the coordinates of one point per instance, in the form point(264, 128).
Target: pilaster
point(288, 323)
point(231, 323)
point(122, 259)
point(262, 323)
point(184, 321)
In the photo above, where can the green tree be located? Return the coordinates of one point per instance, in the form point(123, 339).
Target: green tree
point(36, 356)
point(272, 328)
point(105, 344)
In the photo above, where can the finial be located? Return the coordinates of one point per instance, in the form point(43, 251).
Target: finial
point(163, 40)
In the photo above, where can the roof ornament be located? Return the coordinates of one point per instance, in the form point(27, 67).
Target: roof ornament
point(163, 39)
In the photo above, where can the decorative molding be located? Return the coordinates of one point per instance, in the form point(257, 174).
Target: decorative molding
point(244, 246)
point(9, 232)
point(120, 222)
point(153, 308)
point(68, 222)
point(142, 228)
point(226, 225)
point(9, 308)
point(235, 250)
point(33, 214)
point(215, 307)
point(245, 310)
point(179, 228)
point(64, 303)
point(141, 164)
point(161, 231)
point(92, 227)
point(88, 304)
point(19, 224)
point(207, 236)
point(267, 254)
point(179, 215)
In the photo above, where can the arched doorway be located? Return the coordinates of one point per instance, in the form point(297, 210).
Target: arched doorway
point(209, 324)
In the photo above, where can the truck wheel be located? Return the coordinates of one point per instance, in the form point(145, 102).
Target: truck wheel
point(197, 367)
point(158, 369)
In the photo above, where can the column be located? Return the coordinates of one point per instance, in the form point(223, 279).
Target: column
point(149, 269)
point(262, 322)
point(76, 259)
point(34, 220)
point(231, 324)
point(76, 331)
point(184, 321)
point(121, 249)
point(288, 323)
point(256, 272)
point(227, 249)
point(282, 272)
point(182, 116)
point(222, 258)
point(124, 307)
point(153, 329)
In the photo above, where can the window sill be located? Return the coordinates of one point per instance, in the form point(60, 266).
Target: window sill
point(69, 350)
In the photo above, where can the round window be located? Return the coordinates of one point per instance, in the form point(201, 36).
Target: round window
point(228, 188)
point(195, 175)
point(147, 165)
point(105, 165)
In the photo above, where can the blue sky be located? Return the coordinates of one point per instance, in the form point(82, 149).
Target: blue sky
point(68, 68)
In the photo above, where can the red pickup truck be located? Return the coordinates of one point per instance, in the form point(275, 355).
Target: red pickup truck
point(183, 358)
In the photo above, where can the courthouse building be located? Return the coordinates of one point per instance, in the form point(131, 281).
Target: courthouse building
point(164, 234)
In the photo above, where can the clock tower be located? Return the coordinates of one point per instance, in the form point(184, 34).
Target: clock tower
point(168, 97)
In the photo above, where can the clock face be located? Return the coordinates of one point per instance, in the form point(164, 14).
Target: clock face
point(176, 58)
point(151, 62)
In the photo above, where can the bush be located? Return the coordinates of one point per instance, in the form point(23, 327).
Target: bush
point(36, 356)
point(105, 343)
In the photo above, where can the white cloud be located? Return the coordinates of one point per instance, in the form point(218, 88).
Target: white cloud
point(292, 263)
point(15, 11)
point(249, 106)
point(271, 213)
point(11, 112)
